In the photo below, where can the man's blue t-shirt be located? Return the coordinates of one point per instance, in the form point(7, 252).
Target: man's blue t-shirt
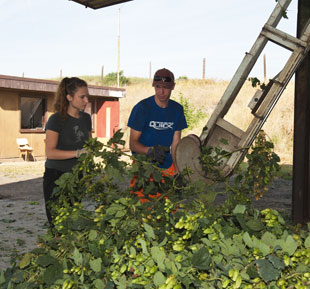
point(157, 124)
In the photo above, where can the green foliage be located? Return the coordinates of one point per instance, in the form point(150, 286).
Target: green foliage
point(212, 159)
point(256, 82)
point(284, 12)
point(107, 239)
point(263, 164)
point(192, 114)
point(111, 79)
point(182, 78)
point(262, 167)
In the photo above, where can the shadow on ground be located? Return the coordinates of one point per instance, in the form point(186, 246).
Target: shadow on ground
point(23, 190)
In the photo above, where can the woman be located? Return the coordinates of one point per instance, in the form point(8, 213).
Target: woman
point(67, 130)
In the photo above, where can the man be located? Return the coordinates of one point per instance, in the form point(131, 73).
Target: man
point(156, 123)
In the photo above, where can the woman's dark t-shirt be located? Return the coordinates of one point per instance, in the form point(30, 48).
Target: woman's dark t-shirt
point(73, 133)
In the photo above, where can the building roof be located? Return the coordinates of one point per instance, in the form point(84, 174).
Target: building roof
point(42, 85)
point(96, 4)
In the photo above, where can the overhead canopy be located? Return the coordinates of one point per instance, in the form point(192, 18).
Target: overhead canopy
point(96, 4)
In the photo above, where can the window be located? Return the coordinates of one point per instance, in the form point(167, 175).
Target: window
point(33, 111)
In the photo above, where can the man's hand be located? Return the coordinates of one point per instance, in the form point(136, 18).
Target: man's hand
point(158, 153)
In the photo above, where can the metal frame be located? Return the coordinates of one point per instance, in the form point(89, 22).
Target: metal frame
point(236, 140)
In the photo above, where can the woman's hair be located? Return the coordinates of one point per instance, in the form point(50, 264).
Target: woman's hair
point(66, 86)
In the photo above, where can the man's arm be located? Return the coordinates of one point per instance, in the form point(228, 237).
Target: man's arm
point(134, 143)
point(175, 141)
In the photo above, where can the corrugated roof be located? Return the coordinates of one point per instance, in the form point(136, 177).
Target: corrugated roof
point(42, 85)
point(96, 4)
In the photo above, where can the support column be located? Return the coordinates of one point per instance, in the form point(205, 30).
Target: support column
point(301, 155)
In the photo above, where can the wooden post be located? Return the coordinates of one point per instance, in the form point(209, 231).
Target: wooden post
point(102, 74)
point(60, 74)
point(301, 155)
point(204, 68)
point(150, 71)
point(118, 44)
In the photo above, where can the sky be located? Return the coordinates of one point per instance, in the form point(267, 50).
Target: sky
point(40, 38)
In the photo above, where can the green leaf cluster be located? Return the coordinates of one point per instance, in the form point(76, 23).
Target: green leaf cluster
point(192, 114)
point(111, 79)
point(252, 182)
point(105, 238)
point(256, 82)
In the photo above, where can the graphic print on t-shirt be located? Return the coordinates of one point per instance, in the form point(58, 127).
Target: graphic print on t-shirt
point(78, 133)
point(161, 125)
point(157, 125)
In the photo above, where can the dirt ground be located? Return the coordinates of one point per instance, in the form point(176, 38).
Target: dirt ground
point(22, 212)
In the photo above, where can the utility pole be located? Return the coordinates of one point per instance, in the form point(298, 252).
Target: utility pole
point(204, 69)
point(301, 155)
point(102, 74)
point(118, 44)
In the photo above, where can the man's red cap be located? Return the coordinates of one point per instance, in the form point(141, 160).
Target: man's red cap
point(164, 78)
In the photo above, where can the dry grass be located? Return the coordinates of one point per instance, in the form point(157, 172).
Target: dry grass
point(12, 169)
point(205, 94)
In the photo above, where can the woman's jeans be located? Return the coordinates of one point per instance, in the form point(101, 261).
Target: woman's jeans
point(49, 178)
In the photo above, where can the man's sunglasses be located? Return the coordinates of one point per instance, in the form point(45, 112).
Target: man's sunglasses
point(163, 78)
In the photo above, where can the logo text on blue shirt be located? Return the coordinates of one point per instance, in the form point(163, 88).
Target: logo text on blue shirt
point(161, 125)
